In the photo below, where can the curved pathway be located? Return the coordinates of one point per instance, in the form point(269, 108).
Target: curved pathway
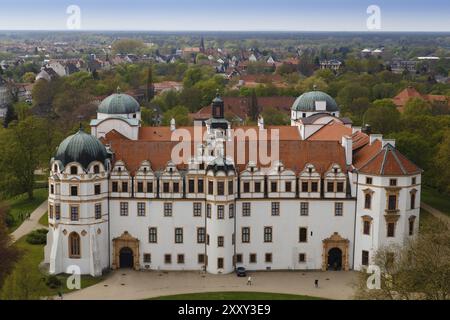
point(30, 224)
point(132, 285)
point(435, 212)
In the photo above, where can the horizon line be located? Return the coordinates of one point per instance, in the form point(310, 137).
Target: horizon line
point(223, 31)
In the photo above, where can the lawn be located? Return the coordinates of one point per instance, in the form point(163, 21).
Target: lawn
point(435, 199)
point(44, 219)
point(33, 255)
point(20, 206)
point(236, 296)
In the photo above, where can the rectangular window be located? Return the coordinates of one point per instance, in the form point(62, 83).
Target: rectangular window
point(304, 186)
point(368, 180)
point(252, 258)
point(411, 227)
point(97, 189)
point(367, 201)
point(167, 258)
point(178, 235)
point(176, 187)
point(330, 187)
point(275, 208)
point(201, 258)
point(200, 186)
point(413, 180)
point(230, 187)
point(180, 258)
point(167, 209)
point(245, 234)
point(268, 258)
point(220, 212)
point(304, 208)
point(288, 186)
point(246, 209)
point(239, 258)
point(201, 235)
point(220, 241)
point(74, 213)
point(257, 186)
point(50, 212)
point(73, 191)
point(98, 211)
point(340, 187)
point(124, 208)
point(219, 263)
point(197, 209)
point(365, 258)
point(246, 187)
point(147, 258)
point(52, 189)
point(210, 187)
point(115, 186)
point(413, 201)
point(303, 234)
point(267, 234)
point(220, 188)
point(124, 186)
point(191, 184)
point(231, 211)
point(314, 187)
point(166, 186)
point(208, 210)
point(141, 209)
point(140, 187)
point(338, 208)
point(392, 202)
point(393, 182)
point(391, 229)
point(149, 187)
point(57, 211)
point(273, 187)
point(366, 228)
point(152, 235)
point(302, 257)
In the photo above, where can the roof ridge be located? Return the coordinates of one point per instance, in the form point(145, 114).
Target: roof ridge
point(398, 160)
point(384, 160)
point(371, 159)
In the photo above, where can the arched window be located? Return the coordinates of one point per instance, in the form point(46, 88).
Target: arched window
point(55, 168)
point(367, 201)
point(74, 246)
point(413, 200)
point(73, 170)
point(96, 169)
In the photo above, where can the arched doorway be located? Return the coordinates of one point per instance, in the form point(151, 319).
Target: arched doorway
point(335, 259)
point(126, 258)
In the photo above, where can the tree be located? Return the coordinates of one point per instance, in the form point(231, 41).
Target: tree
point(22, 149)
point(127, 46)
point(383, 117)
point(416, 106)
point(150, 85)
point(29, 77)
point(418, 270)
point(8, 254)
point(253, 109)
point(179, 113)
point(274, 117)
point(441, 166)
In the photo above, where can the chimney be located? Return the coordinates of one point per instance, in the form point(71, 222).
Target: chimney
point(374, 137)
point(347, 143)
point(385, 142)
point(356, 129)
point(172, 125)
point(260, 122)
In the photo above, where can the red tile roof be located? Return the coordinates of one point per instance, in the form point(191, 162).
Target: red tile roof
point(402, 98)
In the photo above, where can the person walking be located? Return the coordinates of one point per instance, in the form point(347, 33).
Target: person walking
point(249, 281)
point(316, 283)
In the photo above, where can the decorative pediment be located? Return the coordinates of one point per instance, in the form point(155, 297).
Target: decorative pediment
point(126, 237)
point(336, 237)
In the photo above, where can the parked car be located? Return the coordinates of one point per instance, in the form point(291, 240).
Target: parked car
point(241, 272)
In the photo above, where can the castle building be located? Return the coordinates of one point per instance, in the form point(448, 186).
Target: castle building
point(120, 198)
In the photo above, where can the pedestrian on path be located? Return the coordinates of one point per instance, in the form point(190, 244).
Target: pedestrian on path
point(316, 283)
point(249, 281)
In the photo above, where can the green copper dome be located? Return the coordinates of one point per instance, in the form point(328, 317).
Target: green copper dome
point(119, 103)
point(307, 102)
point(82, 148)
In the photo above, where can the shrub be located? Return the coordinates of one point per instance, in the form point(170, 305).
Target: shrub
point(37, 237)
point(53, 282)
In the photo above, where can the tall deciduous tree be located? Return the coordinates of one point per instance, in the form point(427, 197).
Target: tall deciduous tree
point(8, 253)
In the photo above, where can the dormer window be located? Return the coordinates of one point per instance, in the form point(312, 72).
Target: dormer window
point(55, 168)
point(393, 182)
point(96, 169)
point(119, 169)
point(73, 170)
point(310, 170)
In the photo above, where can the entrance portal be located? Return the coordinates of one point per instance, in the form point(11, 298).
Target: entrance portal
point(335, 259)
point(126, 258)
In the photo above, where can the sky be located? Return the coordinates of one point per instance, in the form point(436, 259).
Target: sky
point(226, 15)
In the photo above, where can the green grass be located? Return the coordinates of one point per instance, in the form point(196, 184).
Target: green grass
point(236, 296)
point(21, 206)
point(33, 255)
point(435, 199)
point(44, 219)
